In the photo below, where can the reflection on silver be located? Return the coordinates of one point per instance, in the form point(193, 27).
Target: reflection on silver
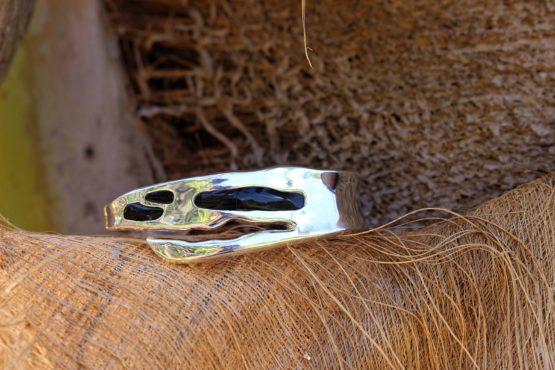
point(330, 206)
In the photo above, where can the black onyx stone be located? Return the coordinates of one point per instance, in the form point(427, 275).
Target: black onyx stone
point(160, 197)
point(140, 212)
point(252, 198)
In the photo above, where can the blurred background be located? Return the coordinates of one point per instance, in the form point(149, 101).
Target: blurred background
point(102, 97)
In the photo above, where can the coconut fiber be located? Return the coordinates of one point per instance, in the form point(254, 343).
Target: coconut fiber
point(472, 291)
point(434, 103)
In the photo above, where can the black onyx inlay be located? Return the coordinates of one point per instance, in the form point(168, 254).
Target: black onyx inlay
point(140, 212)
point(252, 198)
point(160, 197)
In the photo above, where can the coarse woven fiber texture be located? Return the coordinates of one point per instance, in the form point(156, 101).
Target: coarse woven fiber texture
point(473, 291)
point(434, 103)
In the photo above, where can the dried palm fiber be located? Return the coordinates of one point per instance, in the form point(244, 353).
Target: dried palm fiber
point(472, 291)
point(14, 16)
point(445, 103)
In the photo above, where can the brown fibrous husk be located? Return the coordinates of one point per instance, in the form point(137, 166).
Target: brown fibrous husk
point(472, 291)
point(434, 103)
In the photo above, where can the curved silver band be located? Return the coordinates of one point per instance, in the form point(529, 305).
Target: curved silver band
point(305, 203)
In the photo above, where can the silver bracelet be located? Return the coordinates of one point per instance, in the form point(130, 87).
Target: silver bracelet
point(289, 204)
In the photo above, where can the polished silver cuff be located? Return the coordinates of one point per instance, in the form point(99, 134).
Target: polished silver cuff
point(283, 204)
